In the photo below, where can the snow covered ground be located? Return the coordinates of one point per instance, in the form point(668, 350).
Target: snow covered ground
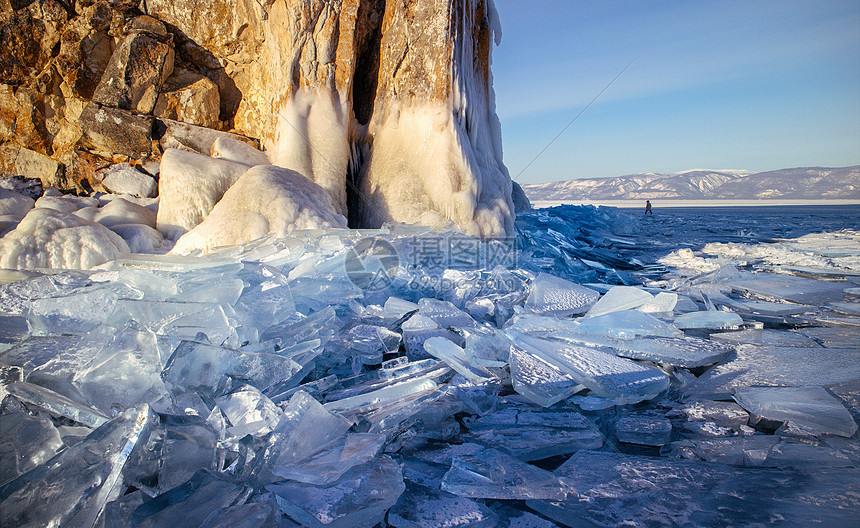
point(690, 368)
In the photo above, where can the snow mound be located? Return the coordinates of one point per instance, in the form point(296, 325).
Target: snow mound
point(189, 186)
point(125, 179)
point(265, 200)
point(118, 211)
point(65, 203)
point(15, 204)
point(235, 150)
point(140, 238)
point(47, 238)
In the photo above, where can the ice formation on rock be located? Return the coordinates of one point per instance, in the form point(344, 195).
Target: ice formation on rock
point(47, 238)
point(265, 200)
point(189, 186)
point(15, 204)
point(393, 131)
point(234, 150)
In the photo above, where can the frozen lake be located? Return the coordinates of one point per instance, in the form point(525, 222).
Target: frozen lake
point(671, 228)
point(694, 367)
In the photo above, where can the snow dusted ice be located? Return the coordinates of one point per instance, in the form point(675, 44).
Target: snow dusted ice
point(307, 374)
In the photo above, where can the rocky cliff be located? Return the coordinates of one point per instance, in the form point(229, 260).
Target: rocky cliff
point(387, 105)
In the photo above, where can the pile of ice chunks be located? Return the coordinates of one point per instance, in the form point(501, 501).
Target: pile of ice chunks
point(269, 385)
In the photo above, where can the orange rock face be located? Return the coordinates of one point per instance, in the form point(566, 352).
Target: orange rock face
point(387, 104)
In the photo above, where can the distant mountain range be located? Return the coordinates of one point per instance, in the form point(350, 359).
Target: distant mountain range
point(802, 183)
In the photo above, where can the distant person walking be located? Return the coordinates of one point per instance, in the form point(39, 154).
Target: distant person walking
point(648, 207)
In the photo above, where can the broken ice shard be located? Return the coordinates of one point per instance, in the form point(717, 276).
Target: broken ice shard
point(191, 501)
point(303, 428)
point(366, 343)
point(551, 295)
point(663, 302)
point(777, 366)
point(750, 451)
point(396, 307)
point(25, 442)
point(812, 407)
point(709, 320)
point(248, 515)
point(72, 488)
point(13, 328)
point(359, 499)
point(124, 373)
point(643, 430)
point(539, 381)
point(532, 434)
point(491, 474)
point(626, 490)
point(724, 414)
point(179, 320)
point(57, 403)
point(607, 375)
point(767, 336)
point(189, 445)
point(418, 329)
point(687, 352)
point(619, 298)
point(778, 287)
point(249, 412)
point(455, 357)
point(445, 314)
point(321, 325)
point(79, 312)
point(627, 324)
point(330, 461)
point(201, 367)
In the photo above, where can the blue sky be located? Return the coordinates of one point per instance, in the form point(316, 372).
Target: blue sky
point(758, 85)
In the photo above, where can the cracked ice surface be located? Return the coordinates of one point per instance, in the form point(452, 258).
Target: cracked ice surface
point(274, 391)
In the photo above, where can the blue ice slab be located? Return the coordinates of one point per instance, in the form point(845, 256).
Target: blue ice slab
point(329, 462)
point(686, 352)
point(249, 412)
point(445, 314)
point(709, 320)
point(491, 474)
point(72, 488)
point(125, 373)
point(774, 366)
point(620, 298)
point(539, 381)
point(205, 368)
point(78, 312)
point(615, 490)
point(57, 404)
point(529, 433)
point(627, 324)
point(25, 442)
point(811, 407)
point(192, 501)
point(643, 430)
point(302, 429)
point(359, 499)
point(607, 375)
point(455, 357)
point(17, 297)
point(551, 295)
